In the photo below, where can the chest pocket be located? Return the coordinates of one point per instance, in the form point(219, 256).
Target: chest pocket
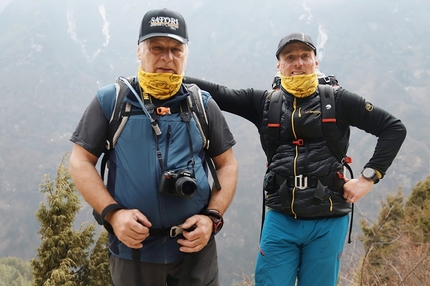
point(307, 123)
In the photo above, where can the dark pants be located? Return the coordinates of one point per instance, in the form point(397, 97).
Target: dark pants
point(195, 269)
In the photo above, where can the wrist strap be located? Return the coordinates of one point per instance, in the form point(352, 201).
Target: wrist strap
point(106, 210)
point(111, 207)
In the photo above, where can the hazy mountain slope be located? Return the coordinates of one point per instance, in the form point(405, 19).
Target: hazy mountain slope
point(55, 54)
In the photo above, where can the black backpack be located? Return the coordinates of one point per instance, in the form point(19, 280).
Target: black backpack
point(328, 117)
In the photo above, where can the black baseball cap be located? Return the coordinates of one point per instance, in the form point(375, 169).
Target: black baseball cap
point(163, 23)
point(294, 38)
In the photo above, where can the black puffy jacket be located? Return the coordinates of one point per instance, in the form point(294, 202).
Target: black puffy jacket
point(303, 164)
point(301, 120)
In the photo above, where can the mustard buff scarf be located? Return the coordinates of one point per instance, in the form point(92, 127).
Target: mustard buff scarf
point(159, 85)
point(300, 85)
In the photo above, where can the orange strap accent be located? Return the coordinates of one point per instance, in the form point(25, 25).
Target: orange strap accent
point(328, 120)
point(347, 160)
point(163, 110)
point(299, 142)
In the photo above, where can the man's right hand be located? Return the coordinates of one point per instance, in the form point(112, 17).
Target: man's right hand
point(131, 227)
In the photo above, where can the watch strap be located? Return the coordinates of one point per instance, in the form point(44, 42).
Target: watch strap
point(379, 174)
point(216, 217)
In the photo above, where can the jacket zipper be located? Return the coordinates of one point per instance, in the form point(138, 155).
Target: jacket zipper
point(169, 133)
point(299, 114)
point(293, 192)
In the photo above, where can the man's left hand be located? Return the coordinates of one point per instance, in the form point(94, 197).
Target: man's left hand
point(196, 240)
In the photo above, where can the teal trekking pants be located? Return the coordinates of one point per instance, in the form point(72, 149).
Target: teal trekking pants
point(306, 251)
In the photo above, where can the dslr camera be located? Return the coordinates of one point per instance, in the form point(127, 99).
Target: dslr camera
point(180, 183)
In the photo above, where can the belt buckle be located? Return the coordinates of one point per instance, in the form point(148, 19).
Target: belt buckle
point(301, 182)
point(176, 230)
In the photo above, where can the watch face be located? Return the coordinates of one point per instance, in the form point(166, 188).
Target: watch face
point(369, 173)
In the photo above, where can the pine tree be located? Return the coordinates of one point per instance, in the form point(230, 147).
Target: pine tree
point(418, 210)
point(381, 234)
point(99, 273)
point(64, 257)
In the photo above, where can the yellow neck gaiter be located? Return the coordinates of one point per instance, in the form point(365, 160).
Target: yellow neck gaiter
point(300, 85)
point(159, 85)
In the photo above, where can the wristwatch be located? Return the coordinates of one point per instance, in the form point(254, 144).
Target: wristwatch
point(216, 218)
point(370, 174)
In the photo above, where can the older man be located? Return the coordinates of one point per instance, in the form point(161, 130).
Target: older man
point(157, 185)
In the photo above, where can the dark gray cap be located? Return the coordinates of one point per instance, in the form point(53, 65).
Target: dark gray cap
point(163, 23)
point(294, 38)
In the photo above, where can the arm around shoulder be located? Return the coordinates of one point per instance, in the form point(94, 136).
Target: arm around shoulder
point(247, 103)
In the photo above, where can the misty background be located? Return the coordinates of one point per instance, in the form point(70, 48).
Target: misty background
point(54, 55)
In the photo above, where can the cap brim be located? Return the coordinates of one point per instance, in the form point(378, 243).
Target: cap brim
point(295, 41)
point(172, 36)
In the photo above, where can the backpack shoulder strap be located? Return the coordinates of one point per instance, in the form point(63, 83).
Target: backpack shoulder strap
point(120, 113)
point(197, 105)
point(117, 120)
point(273, 123)
point(328, 118)
point(331, 133)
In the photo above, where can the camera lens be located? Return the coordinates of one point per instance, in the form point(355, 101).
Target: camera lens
point(185, 187)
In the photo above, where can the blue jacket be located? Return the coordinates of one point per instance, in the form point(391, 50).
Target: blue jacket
point(135, 172)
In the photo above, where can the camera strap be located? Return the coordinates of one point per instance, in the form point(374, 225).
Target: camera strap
point(186, 117)
point(158, 152)
point(154, 123)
